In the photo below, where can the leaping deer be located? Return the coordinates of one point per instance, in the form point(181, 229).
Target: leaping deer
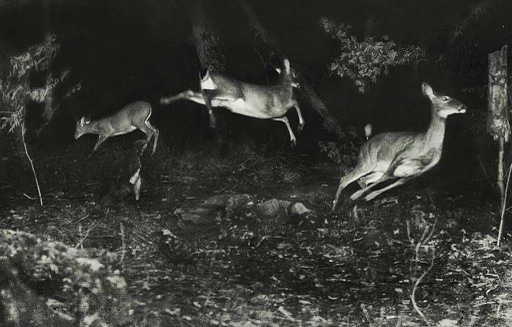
point(131, 117)
point(257, 101)
point(401, 156)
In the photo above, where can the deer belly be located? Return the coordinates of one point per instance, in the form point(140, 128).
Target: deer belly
point(125, 131)
point(242, 107)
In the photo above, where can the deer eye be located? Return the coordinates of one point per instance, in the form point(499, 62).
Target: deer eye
point(445, 98)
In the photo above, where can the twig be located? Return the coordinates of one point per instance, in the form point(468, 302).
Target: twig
point(427, 235)
point(28, 196)
point(485, 171)
point(81, 219)
point(418, 281)
point(432, 229)
point(504, 205)
point(81, 242)
point(123, 244)
point(31, 164)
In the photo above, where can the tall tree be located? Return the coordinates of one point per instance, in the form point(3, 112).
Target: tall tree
point(207, 39)
point(208, 43)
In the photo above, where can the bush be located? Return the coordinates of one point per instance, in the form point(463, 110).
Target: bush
point(81, 287)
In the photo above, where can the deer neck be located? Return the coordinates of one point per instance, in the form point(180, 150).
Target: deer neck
point(286, 80)
point(435, 134)
point(93, 128)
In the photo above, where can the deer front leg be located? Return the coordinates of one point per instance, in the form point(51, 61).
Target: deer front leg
point(208, 103)
point(101, 139)
point(293, 140)
point(301, 120)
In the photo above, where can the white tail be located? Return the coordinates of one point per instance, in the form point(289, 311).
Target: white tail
point(401, 155)
point(129, 118)
point(257, 101)
point(368, 130)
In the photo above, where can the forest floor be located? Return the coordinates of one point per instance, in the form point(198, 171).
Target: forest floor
point(425, 249)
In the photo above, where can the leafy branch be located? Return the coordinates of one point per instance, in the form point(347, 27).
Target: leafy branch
point(363, 62)
point(16, 91)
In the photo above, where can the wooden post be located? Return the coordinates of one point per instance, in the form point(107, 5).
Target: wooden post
point(497, 118)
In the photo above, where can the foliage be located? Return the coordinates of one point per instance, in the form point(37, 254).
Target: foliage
point(85, 288)
point(16, 91)
point(363, 62)
point(481, 15)
point(15, 88)
point(344, 151)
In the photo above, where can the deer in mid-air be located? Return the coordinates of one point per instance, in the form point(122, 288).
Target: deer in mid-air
point(131, 117)
point(257, 101)
point(401, 156)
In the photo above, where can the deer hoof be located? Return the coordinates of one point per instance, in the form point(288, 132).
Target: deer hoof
point(293, 143)
point(300, 128)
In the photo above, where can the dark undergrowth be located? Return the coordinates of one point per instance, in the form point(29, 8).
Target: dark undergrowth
point(423, 253)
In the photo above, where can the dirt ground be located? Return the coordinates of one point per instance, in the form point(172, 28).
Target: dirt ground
point(423, 253)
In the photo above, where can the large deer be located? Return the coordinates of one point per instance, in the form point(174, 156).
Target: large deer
point(401, 156)
point(257, 101)
point(131, 117)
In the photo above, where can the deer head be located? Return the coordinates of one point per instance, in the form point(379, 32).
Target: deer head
point(79, 131)
point(442, 105)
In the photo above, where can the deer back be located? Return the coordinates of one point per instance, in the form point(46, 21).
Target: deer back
point(124, 121)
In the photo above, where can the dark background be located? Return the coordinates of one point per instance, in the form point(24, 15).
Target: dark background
point(127, 50)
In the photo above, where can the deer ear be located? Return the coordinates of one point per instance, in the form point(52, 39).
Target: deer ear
point(427, 90)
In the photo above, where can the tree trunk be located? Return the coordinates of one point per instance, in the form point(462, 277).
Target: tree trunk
point(210, 50)
point(497, 119)
point(207, 40)
point(330, 123)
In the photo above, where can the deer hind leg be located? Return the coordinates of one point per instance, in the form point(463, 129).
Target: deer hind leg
point(185, 95)
point(374, 194)
point(192, 96)
point(284, 119)
point(154, 133)
point(354, 175)
point(362, 191)
point(369, 179)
